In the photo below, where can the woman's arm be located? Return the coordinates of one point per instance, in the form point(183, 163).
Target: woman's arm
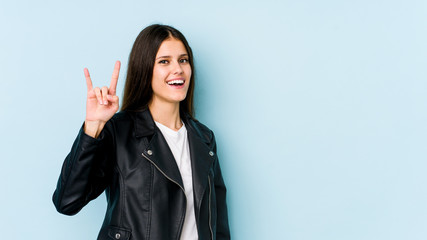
point(87, 167)
point(85, 173)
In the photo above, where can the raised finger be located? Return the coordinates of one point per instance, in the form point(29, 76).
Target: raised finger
point(104, 92)
point(88, 80)
point(98, 95)
point(114, 78)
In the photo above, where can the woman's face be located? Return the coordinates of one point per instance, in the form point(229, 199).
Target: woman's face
point(171, 72)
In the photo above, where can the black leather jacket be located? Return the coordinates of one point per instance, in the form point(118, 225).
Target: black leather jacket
point(132, 162)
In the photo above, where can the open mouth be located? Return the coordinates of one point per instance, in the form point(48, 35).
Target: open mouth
point(176, 83)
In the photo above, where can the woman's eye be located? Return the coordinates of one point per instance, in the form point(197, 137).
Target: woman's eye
point(163, 61)
point(184, 60)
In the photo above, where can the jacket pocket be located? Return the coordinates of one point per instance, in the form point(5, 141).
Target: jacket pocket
point(119, 233)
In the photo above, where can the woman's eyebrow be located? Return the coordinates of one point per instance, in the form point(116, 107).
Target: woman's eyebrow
point(182, 55)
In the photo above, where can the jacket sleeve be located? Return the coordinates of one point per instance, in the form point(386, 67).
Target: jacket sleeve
point(223, 230)
point(85, 172)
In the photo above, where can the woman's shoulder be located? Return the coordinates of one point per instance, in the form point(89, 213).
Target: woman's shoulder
point(120, 119)
point(122, 116)
point(200, 129)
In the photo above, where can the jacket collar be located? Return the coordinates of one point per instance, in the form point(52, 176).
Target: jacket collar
point(145, 126)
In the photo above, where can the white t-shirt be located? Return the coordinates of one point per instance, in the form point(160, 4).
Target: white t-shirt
point(178, 143)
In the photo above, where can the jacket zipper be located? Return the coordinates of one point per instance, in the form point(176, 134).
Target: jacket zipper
point(164, 174)
point(210, 211)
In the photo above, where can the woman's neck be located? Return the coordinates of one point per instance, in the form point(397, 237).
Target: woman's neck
point(166, 114)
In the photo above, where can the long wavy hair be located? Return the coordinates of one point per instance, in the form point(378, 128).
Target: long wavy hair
point(138, 90)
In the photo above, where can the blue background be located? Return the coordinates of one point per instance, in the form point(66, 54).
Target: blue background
point(319, 109)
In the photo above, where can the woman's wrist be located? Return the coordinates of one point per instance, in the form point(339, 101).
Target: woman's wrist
point(93, 128)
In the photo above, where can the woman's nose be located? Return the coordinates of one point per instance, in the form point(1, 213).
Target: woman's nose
point(177, 69)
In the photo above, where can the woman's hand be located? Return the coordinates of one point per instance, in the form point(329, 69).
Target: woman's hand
point(101, 104)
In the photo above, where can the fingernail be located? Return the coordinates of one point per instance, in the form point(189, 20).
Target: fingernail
point(105, 102)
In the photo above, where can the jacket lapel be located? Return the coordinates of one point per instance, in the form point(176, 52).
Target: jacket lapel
point(159, 153)
point(201, 163)
point(156, 149)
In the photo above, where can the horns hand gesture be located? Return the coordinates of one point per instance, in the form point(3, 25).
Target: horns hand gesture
point(101, 104)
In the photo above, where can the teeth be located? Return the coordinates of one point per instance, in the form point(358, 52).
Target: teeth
point(176, 82)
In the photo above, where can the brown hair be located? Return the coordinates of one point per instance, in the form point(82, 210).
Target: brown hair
point(138, 90)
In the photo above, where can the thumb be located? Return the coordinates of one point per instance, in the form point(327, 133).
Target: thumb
point(113, 98)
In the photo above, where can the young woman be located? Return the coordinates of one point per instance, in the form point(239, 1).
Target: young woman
point(157, 164)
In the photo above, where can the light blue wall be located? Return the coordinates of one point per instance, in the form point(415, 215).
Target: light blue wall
point(319, 108)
